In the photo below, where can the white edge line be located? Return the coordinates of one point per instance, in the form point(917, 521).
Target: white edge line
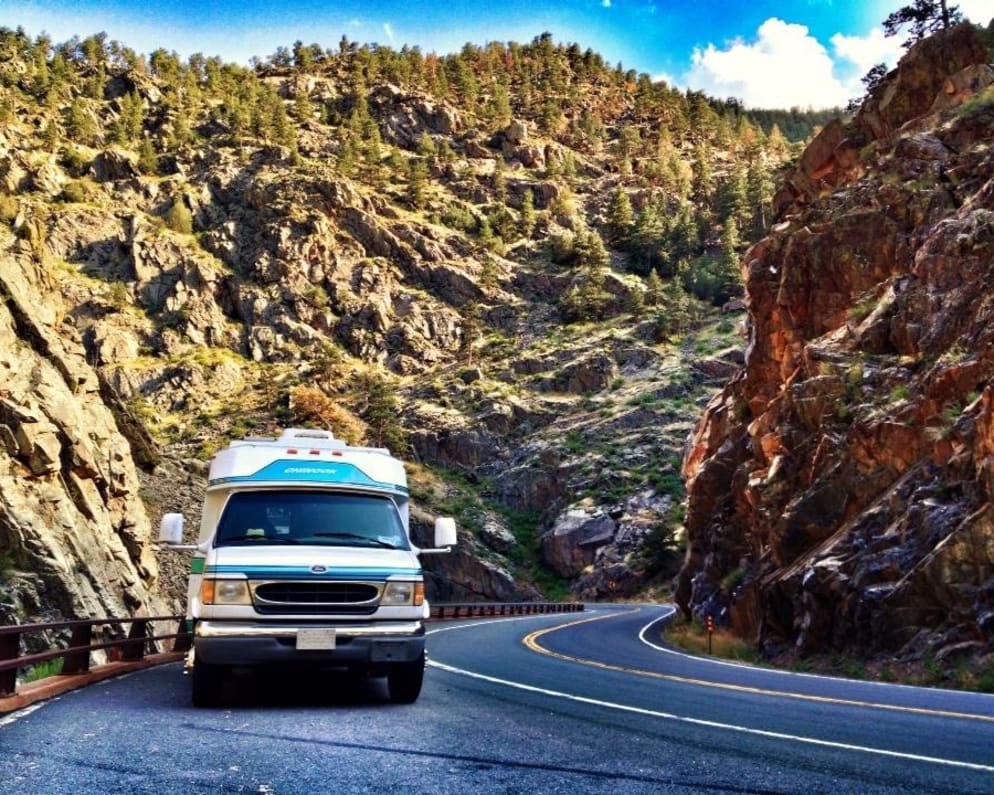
point(710, 724)
point(22, 713)
point(782, 672)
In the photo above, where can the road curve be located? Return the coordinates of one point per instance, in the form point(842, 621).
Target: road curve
point(560, 703)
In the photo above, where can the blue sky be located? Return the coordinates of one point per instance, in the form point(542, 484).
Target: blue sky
point(808, 53)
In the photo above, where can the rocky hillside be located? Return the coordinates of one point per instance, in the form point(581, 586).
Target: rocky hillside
point(840, 486)
point(504, 264)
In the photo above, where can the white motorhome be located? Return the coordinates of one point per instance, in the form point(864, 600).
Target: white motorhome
point(304, 556)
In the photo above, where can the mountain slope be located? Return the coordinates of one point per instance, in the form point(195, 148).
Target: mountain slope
point(406, 248)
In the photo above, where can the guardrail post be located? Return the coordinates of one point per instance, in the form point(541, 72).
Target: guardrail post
point(10, 646)
point(184, 639)
point(77, 660)
point(134, 649)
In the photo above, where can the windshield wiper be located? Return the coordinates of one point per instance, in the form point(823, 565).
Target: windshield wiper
point(252, 537)
point(355, 537)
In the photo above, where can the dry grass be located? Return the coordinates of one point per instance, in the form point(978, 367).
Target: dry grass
point(692, 637)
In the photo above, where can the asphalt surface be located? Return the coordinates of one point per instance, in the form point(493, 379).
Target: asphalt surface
point(587, 708)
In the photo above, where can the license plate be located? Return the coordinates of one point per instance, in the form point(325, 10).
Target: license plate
point(315, 639)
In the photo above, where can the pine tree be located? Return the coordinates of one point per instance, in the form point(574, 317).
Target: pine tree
point(148, 160)
point(589, 251)
point(528, 215)
point(703, 186)
point(417, 183)
point(759, 196)
point(50, 136)
point(426, 145)
point(924, 17)
point(653, 288)
point(81, 125)
point(732, 196)
point(684, 235)
point(377, 403)
point(303, 108)
point(499, 182)
point(499, 107)
point(620, 217)
point(647, 238)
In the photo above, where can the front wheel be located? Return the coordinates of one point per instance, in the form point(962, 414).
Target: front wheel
point(206, 684)
point(404, 681)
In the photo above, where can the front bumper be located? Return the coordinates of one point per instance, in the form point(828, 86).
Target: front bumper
point(236, 643)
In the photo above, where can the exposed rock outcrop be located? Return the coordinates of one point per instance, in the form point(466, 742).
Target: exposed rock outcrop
point(71, 519)
point(840, 486)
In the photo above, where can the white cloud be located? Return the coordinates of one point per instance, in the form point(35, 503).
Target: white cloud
point(977, 11)
point(867, 51)
point(663, 77)
point(785, 67)
point(606, 3)
point(388, 31)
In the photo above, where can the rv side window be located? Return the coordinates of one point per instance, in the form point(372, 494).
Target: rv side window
point(309, 517)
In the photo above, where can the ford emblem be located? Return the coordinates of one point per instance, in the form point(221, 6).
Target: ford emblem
point(319, 569)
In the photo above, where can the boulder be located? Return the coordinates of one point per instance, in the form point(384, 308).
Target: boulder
point(569, 546)
point(516, 133)
point(112, 165)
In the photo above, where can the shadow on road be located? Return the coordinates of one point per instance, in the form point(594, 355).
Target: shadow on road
point(280, 688)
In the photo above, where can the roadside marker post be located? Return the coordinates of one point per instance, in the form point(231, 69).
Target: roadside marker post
point(710, 625)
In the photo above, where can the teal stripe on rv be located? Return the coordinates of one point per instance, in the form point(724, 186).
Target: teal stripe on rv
point(305, 572)
point(323, 472)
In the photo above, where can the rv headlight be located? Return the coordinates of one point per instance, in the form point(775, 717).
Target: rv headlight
point(403, 593)
point(225, 592)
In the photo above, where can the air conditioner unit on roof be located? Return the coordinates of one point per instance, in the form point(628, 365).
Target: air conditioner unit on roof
point(306, 433)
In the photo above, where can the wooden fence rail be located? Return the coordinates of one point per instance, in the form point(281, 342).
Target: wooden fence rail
point(76, 656)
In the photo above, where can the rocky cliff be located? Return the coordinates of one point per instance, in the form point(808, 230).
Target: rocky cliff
point(840, 485)
point(73, 528)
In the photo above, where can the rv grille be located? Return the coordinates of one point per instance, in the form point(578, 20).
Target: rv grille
point(316, 597)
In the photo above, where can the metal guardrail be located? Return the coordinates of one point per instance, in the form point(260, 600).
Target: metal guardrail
point(76, 656)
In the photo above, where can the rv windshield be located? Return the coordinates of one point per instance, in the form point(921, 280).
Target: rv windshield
point(311, 517)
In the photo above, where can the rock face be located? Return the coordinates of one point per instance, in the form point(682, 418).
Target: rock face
point(74, 534)
point(840, 486)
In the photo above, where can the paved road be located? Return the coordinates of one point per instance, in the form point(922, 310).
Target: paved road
point(591, 707)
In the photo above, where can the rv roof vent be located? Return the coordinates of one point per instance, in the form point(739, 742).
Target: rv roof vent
point(306, 433)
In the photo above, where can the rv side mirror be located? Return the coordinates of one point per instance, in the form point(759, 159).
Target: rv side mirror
point(445, 531)
point(171, 529)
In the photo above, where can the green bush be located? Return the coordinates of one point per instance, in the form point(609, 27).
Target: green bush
point(715, 279)
point(179, 218)
point(459, 218)
point(75, 192)
point(660, 552)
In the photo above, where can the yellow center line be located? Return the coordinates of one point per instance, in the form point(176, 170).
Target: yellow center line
point(531, 641)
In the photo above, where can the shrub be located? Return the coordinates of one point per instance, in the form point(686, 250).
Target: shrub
point(8, 209)
point(310, 404)
point(74, 192)
point(660, 552)
point(179, 218)
point(978, 106)
point(561, 247)
point(459, 218)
